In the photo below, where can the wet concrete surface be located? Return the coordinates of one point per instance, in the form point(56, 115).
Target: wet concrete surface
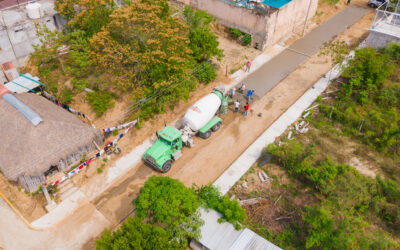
point(271, 73)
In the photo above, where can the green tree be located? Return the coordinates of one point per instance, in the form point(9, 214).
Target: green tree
point(365, 73)
point(167, 202)
point(86, 15)
point(203, 42)
point(143, 47)
point(135, 234)
point(231, 211)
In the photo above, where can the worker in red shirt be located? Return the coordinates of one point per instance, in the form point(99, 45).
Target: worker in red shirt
point(246, 109)
point(248, 65)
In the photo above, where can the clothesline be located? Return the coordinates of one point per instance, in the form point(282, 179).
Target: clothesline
point(97, 155)
point(51, 98)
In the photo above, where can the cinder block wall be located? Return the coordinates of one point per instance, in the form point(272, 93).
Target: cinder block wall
point(265, 30)
point(377, 39)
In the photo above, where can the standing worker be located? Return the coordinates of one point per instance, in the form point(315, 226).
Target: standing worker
point(248, 65)
point(246, 109)
point(242, 88)
point(237, 105)
point(249, 94)
point(233, 92)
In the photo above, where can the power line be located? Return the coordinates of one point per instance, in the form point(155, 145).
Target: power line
point(158, 93)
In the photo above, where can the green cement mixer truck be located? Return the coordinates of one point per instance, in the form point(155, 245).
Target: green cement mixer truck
point(201, 119)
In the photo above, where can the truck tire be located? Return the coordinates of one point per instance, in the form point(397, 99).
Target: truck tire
point(205, 135)
point(167, 166)
point(216, 127)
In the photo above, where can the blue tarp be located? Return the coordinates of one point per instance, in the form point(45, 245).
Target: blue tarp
point(276, 3)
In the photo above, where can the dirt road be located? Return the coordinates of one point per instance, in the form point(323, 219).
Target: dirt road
point(200, 165)
point(209, 158)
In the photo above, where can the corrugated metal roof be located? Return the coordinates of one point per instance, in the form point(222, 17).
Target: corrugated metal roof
point(22, 84)
point(224, 236)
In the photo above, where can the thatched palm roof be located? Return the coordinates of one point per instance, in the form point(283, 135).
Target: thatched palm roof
point(30, 150)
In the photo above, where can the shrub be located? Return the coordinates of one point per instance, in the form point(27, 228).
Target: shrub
point(135, 234)
point(231, 211)
point(235, 33)
point(100, 101)
point(203, 42)
point(246, 39)
point(206, 72)
point(67, 96)
point(168, 202)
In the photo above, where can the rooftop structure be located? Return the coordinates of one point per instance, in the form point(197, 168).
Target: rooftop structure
point(267, 21)
point(386, 26)
point(222, 236)
point(29, 151)
point(17, 27)
point(24, 83)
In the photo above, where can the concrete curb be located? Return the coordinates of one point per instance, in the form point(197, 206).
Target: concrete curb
point(238, 168)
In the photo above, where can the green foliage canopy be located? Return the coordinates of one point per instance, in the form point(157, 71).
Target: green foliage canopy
point(230, 209)
point(167, 202)
point(135, 234)
point(203, 42)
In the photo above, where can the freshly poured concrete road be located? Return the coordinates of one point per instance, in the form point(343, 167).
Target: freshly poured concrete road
point(271, 73)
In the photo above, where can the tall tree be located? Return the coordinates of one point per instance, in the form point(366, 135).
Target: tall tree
point(203, 42)
point(143, 47)
point(167, 202)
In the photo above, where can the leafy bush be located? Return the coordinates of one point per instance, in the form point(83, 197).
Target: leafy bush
point(100, 101)
point(135, 234)
point(393, 49)
point(231, 211)
point(167, 202)
point(235, 33)
point(368, 104)
point(203, 42)
point(365, 73)
point(246, 39)
point(206, 72)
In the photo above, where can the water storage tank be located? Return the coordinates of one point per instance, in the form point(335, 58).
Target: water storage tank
point(202, 111)
point(33, 10)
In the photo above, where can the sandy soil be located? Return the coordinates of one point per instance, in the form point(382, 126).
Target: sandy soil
point(208, 159)
point(31, 206)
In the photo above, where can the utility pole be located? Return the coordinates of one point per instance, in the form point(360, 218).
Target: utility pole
point(305, 23)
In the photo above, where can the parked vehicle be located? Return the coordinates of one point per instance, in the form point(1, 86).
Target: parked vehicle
point(200, 119)
point(376, 3)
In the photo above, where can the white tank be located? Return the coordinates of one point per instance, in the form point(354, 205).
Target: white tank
point(202, 111)
point(33, 10)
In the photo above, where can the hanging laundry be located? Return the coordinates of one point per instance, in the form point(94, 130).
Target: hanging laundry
point(97, 155)
point(54, 100)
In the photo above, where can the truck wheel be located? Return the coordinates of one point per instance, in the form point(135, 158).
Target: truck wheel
point(205, 135)
point(216, 127)
point(167, 166)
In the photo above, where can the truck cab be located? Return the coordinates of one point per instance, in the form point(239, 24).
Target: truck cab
point(166, 149)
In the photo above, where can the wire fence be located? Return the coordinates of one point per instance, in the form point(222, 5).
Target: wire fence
point(387, 21)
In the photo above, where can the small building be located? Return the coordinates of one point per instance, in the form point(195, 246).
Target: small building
point(223, 236)
point(29, 153)
point(267, 21)
point(385, 27)
point(17, 27)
